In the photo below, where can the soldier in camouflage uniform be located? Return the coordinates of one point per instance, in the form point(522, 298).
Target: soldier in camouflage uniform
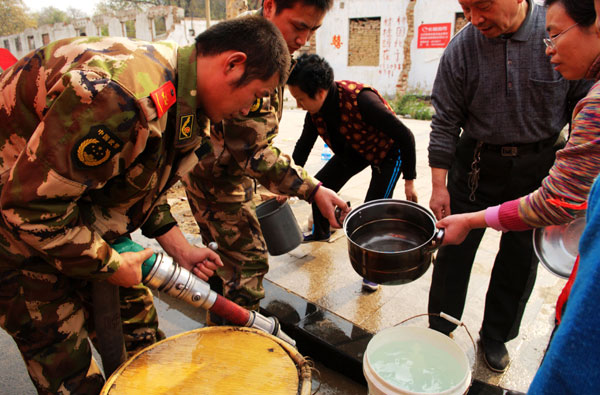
point(221, 186)
point(93, 133)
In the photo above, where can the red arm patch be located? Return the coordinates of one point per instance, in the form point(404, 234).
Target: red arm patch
point(163, 98)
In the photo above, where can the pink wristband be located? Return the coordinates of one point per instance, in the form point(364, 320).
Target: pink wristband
point(492, 218)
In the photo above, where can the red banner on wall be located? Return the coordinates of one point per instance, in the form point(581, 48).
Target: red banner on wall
point(435, 35)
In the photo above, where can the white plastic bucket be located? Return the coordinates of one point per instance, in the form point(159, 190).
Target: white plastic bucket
point(413, 360)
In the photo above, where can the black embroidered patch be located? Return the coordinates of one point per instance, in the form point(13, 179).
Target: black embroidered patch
point(256, 108)
point(96, 148)
point(186, 127)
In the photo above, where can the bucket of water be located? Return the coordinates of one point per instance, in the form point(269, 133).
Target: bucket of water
point(279, 226)
point(214, 360)
point(415, 360)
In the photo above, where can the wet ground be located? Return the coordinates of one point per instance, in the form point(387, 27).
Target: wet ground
point(333, 313)
point(321, 273)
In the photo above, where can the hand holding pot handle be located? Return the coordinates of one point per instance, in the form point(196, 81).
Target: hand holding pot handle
point(458, 226)
point(438, 239)
point(338, 215)
point(327, 201)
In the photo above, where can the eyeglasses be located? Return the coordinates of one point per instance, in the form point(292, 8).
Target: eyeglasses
point(551, 41)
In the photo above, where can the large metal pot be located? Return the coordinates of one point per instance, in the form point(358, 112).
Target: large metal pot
point(391, 241)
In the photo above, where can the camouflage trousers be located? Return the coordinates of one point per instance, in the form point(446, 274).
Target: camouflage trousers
point(49, 317)
point(242, 247)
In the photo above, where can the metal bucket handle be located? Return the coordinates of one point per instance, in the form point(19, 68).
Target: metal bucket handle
point(455, 322)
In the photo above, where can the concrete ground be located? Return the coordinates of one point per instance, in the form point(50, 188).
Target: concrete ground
point(321, 273)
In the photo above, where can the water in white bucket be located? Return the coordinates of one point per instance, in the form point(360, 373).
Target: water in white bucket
point(412, 360)
point(416, 366)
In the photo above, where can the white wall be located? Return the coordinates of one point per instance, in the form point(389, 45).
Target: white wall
point(54, 32)
point(181, 34)
point(425, 61)
point(336, 22)
point(143, 26)
point(394, 28)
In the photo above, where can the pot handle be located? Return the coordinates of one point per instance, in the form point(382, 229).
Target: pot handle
point(437, 240)
point(338, 215)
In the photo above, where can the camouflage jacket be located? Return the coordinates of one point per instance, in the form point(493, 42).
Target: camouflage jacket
point(242, 149)
point(86, 154)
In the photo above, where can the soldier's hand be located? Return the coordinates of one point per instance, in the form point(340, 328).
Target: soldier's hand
point(268, 196)
point(201, 261)
point(327, 201)
point(130, 271)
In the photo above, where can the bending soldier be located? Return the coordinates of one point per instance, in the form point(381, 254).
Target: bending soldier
point(221, 187)
point(94, 132)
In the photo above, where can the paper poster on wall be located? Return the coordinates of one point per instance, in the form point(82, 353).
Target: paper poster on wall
point(434, 35)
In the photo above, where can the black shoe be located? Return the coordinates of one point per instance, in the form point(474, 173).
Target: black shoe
point(495, 354)
point(309, 238)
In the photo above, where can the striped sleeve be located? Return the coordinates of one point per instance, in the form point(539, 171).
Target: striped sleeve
point(572, 175)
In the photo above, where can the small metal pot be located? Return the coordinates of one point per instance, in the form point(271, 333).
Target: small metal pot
point(391, 241)
point(279, 226)
point(557, 246)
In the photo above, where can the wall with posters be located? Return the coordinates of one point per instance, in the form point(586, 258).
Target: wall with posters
point(411, 38)
point(436, 23)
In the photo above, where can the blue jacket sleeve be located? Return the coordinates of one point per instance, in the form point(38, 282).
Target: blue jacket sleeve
point(572, 363)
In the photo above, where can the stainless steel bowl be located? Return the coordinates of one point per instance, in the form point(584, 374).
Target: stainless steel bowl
point(557, 246)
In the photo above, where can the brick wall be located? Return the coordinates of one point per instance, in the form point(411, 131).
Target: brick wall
point(233, 8)
point(309, 48)
point(402, 85)
point(459, 21)
point(363, 42)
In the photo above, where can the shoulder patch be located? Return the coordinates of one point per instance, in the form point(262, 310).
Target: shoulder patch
point(256, 107)
point(164, 97)
point(96, 148)
point(186, 125)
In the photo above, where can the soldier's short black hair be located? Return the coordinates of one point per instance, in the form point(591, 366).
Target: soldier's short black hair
point(323, 5)
point(258, 38)
point(310, 74)
point(581, 11)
